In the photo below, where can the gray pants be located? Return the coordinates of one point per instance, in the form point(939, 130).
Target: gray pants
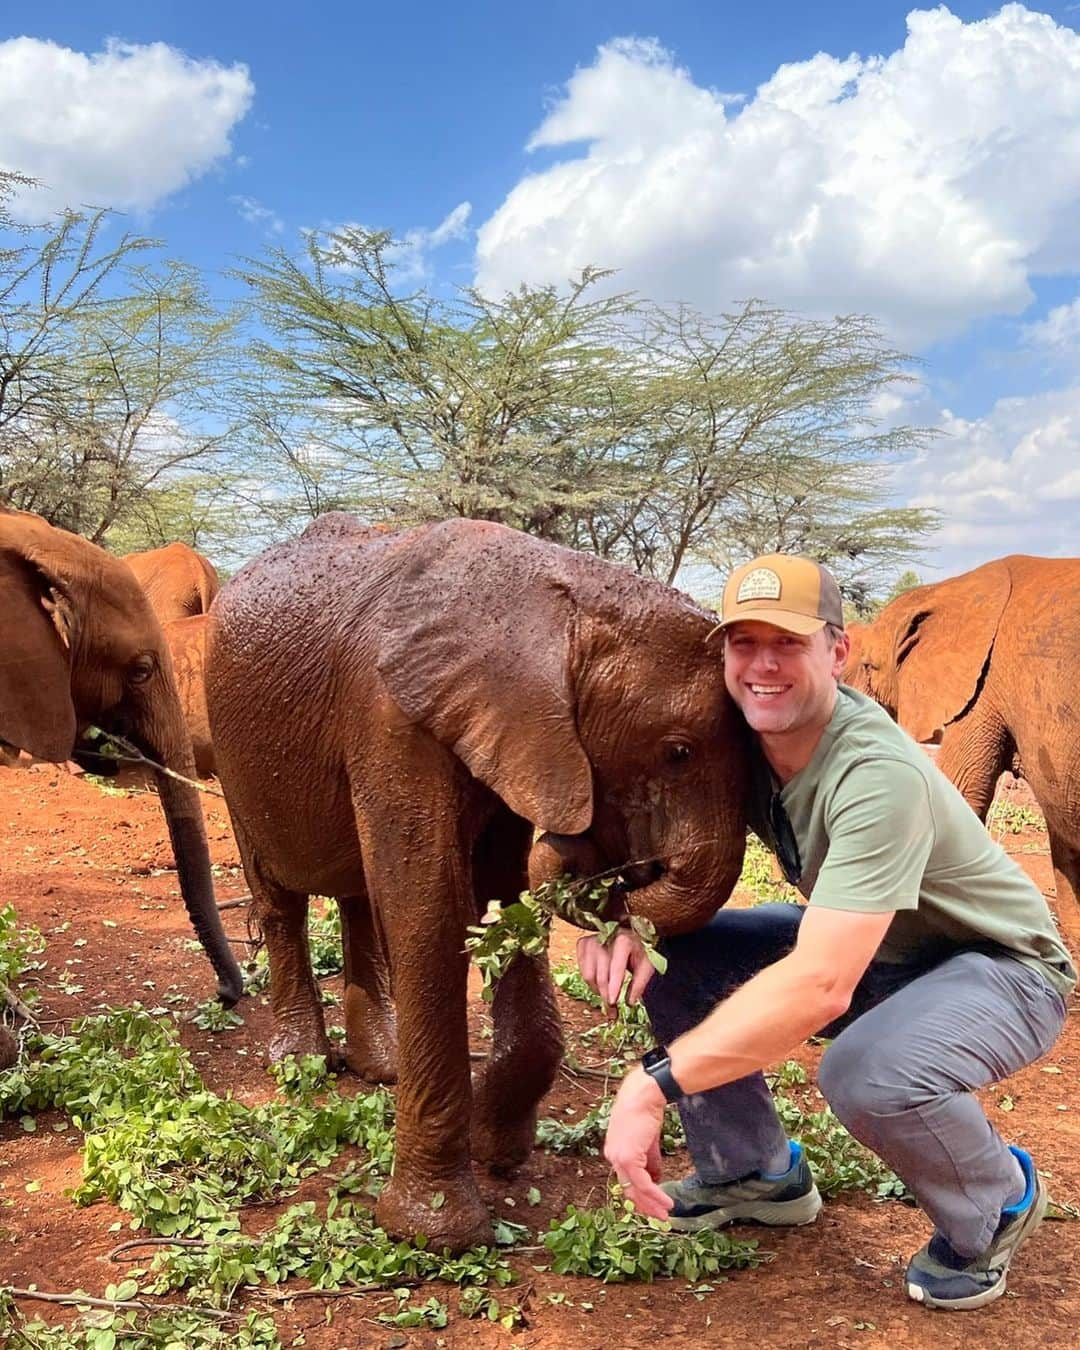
point(899, 1073)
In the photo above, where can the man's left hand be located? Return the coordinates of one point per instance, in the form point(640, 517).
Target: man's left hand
point(632, 1143)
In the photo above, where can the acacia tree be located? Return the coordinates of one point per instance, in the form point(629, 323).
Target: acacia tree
point(112, 376)
point(653, 436)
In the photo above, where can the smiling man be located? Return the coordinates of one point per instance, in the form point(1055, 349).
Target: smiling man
point(923, 949)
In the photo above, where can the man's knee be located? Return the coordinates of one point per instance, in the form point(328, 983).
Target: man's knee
point(863, 1084)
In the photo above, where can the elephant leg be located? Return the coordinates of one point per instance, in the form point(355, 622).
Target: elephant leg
point(281, 916)
point(527, 1045)
point(370, 1022)
point(975, 751)
point(1065, 857)
point(424, 906)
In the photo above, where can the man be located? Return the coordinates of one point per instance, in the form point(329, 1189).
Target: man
point(923, 949)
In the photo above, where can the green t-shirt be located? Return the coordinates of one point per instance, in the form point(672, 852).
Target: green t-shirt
point(880, 829)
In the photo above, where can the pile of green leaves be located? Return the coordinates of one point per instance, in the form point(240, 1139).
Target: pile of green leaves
point(585, 1137)
point(614, 1244)
point(523, 928)
point(346, 1248)
point(1005, 817)
point(175, 1156)
point(134, 1329)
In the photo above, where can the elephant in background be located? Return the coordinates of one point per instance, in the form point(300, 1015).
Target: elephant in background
point(987, 663)
point(187, 646)
point(178, 581)
point(81, 646)
point(456, 688)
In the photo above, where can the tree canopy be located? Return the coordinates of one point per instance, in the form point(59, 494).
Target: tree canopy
point(651, 435)
point(134, 410)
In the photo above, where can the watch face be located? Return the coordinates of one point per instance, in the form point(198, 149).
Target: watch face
point(657, 1055)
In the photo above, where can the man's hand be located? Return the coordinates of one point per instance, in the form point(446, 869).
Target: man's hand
point(603, 968)
point(632, 1143)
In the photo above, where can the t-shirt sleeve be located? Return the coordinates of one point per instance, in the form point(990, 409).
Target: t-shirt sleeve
point(881, 832)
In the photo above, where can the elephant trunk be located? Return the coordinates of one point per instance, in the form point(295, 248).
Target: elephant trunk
point(689, 890)
point(692, 887)
point(180, 804)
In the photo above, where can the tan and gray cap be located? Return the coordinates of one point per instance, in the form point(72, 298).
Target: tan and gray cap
point(781, 589)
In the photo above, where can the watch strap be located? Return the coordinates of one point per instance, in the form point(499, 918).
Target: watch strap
point(657, 1064)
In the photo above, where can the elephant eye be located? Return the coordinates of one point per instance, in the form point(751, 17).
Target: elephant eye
point(677, 752)
point(141, 668)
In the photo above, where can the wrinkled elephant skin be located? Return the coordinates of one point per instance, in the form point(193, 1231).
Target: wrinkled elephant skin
point(456, 688)
point(986, 664)
point(187, 647)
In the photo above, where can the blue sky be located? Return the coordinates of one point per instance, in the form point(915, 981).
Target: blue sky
point(824, 157)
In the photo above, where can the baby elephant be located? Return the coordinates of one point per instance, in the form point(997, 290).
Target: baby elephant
point(187, 647)
point(455, 688)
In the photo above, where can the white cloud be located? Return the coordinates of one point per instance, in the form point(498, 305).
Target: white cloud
point(256, 214)
point(926, 186)
point(409, 254)
point(1058, 335)
point(1005, 483)
point(123, 127)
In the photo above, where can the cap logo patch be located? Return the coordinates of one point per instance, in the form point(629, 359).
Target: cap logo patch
point(760, 584)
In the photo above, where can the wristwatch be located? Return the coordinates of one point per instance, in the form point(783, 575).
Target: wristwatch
point(657, 1064)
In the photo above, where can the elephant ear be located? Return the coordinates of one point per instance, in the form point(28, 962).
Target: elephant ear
point(36, 711)
point(477, 648)
point(943, 641)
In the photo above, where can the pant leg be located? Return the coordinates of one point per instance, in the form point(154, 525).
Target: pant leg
point(731, 1130)
point(900, 1077)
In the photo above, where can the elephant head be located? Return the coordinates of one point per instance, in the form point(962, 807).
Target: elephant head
point(590, 700)
point(81, 647)
point(922, 658)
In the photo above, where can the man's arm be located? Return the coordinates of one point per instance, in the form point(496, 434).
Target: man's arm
point(783, 1004)
point(756, 1026)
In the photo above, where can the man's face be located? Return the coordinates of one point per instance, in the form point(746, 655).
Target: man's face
point(781, 681)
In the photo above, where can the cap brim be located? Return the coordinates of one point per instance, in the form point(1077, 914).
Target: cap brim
point(779, 618)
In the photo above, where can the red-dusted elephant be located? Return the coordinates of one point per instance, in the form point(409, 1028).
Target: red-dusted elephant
point(456, 687)
point(989, 664)
point(187, 646)
point(178, 581)
point(80, 646)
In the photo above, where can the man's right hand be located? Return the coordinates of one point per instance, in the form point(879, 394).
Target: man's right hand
point(603, 968)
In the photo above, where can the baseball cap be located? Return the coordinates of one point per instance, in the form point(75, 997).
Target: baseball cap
point(782, 589)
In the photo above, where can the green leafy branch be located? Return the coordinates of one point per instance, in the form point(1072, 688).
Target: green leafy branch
point(523, 928)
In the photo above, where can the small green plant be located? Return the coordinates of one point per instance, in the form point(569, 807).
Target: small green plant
point(523, 928)
point(757, 878)
point(615, 1244)
point(214, 1016)
point(478, 1302)
point(1005, 817)
point(433, 1313)
point(19, 943)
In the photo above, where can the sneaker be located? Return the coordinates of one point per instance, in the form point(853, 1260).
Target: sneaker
point(939, 1277)
point(778, 1198)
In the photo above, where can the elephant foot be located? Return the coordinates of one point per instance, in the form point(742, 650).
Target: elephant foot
point(448, 1213)
point(503, 1132)
point(370, 1036)
point(503, 1146)
point(373, 1063)
point(299, 1041)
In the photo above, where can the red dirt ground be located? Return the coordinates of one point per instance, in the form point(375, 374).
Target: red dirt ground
point(77, 861)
